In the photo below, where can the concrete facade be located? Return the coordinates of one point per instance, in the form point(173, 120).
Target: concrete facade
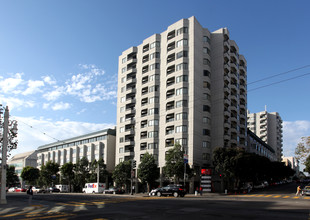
point(19, 161)
point(96, 145)
point(185, 85)
point(268, 127)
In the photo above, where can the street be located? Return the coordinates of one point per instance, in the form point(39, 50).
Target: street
point(275, 203)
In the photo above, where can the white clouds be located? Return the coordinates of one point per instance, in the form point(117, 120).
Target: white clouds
point(61, 106)
point(33, 87)
point(292, 133)
point(33, 133)
point(87, 86)
point(9, 84)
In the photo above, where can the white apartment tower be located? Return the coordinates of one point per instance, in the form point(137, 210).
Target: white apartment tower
point(268, 127)
point(185, 85)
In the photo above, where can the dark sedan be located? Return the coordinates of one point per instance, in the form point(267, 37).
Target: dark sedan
point(170, 190)
point(53, 189)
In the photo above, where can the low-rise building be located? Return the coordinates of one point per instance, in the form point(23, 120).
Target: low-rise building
point(19, 161)
point(96, 145)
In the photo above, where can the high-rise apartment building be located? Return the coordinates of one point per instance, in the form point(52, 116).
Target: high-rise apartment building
point(268, 127)
point(186, 85)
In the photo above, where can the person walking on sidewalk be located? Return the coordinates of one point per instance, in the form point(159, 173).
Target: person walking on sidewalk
point(30, 194)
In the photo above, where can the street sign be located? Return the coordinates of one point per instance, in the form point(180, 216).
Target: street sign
point(185, 158)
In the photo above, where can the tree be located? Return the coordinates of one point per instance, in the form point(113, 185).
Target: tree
point(11, 177)
point(93, 171)
point(67, 174)
point(122, 173)
point(302, 151)
point(81, 170)
point(174, 167)
point(307, 164)
point(30, 175)
point(147, 170)
point(49, 174)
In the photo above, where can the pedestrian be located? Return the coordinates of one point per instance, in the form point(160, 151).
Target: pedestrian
point(298, 193)
point(30, 194)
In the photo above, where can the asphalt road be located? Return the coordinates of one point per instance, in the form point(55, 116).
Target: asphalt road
point(273, 203)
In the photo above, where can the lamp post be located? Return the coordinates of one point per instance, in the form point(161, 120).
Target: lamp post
point(9, 133)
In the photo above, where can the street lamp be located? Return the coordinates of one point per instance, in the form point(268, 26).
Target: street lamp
point(8, 143)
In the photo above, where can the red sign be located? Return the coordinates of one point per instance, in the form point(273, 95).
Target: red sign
point(206, 171)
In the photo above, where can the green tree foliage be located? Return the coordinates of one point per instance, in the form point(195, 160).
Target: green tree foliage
point(238, 167)
point(67, 174)
point(174, 167)
point(122, 173)
point(81, 170)
point(30, 175)
point(49, 174)
point(11, 177)
point(302, 151)
point(148, 171)
point(93, 170)
point(307, 164)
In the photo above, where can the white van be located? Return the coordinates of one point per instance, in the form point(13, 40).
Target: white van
point(94, 188)
point(63, 188)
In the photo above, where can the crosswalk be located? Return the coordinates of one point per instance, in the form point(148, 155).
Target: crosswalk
point(275, 196)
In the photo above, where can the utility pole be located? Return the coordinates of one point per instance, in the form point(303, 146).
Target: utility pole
point(4, 155)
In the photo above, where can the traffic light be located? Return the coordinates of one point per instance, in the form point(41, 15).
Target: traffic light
point(133, 164)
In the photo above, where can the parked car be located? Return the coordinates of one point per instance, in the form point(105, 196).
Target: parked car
point(12, 189)
point(20, 190)
point(38, 190)
point(113, 190)
point(170, 190)
point(53, 189)
point(306, 191)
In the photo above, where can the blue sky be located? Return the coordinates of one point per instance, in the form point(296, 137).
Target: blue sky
point(58, 59)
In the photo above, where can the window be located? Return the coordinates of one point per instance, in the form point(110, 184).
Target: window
point(206, 84)
point(121, 129)
point(206, 39)
point(152, 146)
point(122, 119)
point(183, 78)
point(153, 122)
point(206, 62)
point(206, 108)
point(206, 73)
point(206, 144)
point(206, 50)
point(155, 44)
point(154, 55)
point(181, 116)
point(181, 141)
point(120, 160)
point(183, 42)
point(181, 66)
point(123, 99)
point(123, 69)
point(154, 66)
point(206, 96)
point(153, 111)
point(153, 88)
point(181, 103)
point(206, 132)
point(152, 134)
point(205, 156)
point(182, 30)
point(153, 100)
point(182, 54)
point(181, 91)
point(154, 77)
point(123, 79)
point(122, 89)
point(179, 129)
point(121, 150)
point(122, 109)
point(206, 120)
point(124, 60)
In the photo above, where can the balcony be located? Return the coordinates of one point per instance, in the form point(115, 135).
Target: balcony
point(145, 58)
point(169, 118)
point(170, 93)
point(170, 46)
point(170, 69)
point(144, 124)
point(131, 80)
point(169, 130)
point(170, 81)
point(171, 58)
point(170, 142)
point(171, 35)
point(146, 48)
